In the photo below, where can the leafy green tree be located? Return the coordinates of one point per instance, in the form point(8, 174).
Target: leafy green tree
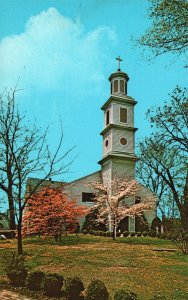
point(165, 153)
point(168, 30)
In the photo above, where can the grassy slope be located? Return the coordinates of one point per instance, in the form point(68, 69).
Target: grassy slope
point(126, 263)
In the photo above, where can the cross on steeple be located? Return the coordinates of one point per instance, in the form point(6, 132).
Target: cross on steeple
point(119, 60)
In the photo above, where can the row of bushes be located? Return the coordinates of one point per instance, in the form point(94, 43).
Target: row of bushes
point(119, 233)
point(9, 234)
point(54, 285)
point(151, 233)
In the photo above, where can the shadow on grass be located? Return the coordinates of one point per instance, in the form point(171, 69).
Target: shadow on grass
point(73, 240)
point(145, 241)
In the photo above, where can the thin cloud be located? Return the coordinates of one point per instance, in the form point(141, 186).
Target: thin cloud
point(53, 52)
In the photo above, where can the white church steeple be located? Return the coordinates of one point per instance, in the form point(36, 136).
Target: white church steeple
point(119, 133)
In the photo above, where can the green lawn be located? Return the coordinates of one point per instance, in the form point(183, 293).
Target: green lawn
point(128, 263)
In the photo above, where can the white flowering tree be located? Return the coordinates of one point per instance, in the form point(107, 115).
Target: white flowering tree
point(110, 201)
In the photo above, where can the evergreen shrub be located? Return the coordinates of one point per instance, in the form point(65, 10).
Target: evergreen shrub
point(158, 235)
point(138, 234)
point(132, 234)
point(84, 231)
point(73, 288)
point(163, 236)
point(152, 233)
point(15, 268)
point(34, 280)
point(52, 285)
point(169, 236)
point(97, 291)
point(145, 233)
point(118, 234)
point(125, 233)
point(124, 295)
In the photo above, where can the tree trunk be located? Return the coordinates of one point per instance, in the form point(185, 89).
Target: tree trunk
point(184, 217)
point(114, 228)
point(12, 223)
point(19, 238)
point(184, 209)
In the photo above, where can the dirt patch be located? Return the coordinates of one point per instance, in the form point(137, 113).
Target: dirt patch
point(119, 269)
point(9, 295)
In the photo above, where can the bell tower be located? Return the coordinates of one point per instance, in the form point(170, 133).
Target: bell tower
point(119, 132)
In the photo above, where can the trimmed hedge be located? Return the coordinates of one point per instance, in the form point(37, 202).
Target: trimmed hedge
point(138, 234)
point(52, 285)
point(9, 234)
point(124, 295)
point(97, 291)
point(152, 233)
point(73, 287)
point(132, 234)
point(144, 233)
point(125, 233)
point(34, 280)
point(16, 269)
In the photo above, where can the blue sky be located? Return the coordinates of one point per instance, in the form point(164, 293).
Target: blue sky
point(63, 53)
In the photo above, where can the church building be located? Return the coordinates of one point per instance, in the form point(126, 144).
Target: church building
point(118, 143)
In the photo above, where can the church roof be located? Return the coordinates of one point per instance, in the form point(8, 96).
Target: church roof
point(119, 99)
point(117, 74)
point(111, 125)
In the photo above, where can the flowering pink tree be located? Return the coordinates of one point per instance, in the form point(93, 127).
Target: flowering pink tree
point(110, 201)
point(49, 212)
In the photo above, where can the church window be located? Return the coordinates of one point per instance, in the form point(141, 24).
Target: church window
point(123, 141)
point(123, 115)
point(106, 143)
point(122, 86)
point(88, 197)
point(115, 86)
point(107, 117)
point(137, 199)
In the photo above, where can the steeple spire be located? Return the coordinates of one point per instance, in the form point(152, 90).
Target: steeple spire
point(119, 59)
